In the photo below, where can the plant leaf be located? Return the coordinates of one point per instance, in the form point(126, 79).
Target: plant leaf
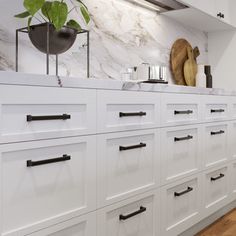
point(29, 22)
point(59, 13)
point(23, 14)
point(73, 24)
point(47, 10)
point(32, 6)
point(79, 1)
point(85, 14)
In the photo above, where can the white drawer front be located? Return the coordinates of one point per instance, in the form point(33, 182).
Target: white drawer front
point(79, 226)
point(136, 216)
point(216, 108)
point(180, 152)
point(216, 189)
point(127, 164)
point(120, 110)
point(40, 113)
point(215, 144)
point(233, 179)
point(232, 139)
point(35, 195)
point(181, 205)
point(180, 109)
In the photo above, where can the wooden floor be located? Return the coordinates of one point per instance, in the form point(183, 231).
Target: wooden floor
point(225, 226)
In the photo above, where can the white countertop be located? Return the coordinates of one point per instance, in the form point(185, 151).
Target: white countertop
point(69, 82)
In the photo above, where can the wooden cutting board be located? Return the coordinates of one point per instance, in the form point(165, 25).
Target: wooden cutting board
point(190, 68)
point(178, 57)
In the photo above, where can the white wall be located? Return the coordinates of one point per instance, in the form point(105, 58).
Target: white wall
point(122, 35)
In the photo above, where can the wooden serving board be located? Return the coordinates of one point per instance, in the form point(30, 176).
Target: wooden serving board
point(178, 57)
point(190, 68)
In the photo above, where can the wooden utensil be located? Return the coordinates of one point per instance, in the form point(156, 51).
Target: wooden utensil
point(178, 57)
point(190, 68)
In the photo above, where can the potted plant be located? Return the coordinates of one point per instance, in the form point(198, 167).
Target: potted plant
point(56, 32)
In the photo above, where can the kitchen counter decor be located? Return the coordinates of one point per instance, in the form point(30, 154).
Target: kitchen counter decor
point(56, 32)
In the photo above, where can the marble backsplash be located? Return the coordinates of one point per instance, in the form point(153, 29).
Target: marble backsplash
point(122, 35)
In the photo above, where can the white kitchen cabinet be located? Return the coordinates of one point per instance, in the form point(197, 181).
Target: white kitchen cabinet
point(216, 189)
point(216, 108)
point(128, 164)
point(180, 109)
point(207, 6)
point(232, 140)
point(136, 158)
point(35, 113)
point(123, 111)
point(181, 153)
point(137, 216)
point(215, 141)
point(46, 182)
point(78, 226)
point(180, 205)
point(206, 15)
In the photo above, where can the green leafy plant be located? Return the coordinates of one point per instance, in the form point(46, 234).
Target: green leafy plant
point(54, 11)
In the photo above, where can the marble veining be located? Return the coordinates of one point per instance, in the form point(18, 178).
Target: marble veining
point(123, 35)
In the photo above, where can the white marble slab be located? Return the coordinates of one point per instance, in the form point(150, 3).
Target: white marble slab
point(69, 82)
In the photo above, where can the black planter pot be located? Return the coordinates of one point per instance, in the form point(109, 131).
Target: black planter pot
point(59, 41)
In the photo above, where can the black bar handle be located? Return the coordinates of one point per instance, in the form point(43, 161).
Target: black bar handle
point(140, 211)
point(31, 163)
point(183, 138)
point(141, 145)
point(53, 117)
point(218, 177)
point(183, 112)
point(189, 189)
point(217, 110)
point(126, 114)
point(217, 132)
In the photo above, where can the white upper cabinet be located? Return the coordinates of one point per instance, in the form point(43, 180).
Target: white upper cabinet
point(206, 15)
point(207, 6)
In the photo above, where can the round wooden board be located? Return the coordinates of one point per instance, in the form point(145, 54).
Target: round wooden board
point(178, 57)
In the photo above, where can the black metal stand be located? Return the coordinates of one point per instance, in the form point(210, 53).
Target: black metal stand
point(25, 30)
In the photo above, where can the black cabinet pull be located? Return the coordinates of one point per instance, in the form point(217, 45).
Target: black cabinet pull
point(218, 177)
point(183, 112)
point(183, 138)
point(31, 163)
point(184, 192)
point(217, 132)
point(217, 110)
point(140, 211)
point(221, 15)
point(53, 117)
point(126, 114)
point(141, 145)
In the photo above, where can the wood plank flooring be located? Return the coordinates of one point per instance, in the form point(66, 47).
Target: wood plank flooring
point(225, 226)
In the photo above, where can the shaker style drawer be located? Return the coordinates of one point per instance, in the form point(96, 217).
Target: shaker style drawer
point(180, 152)
point(215, 143)
point(122, 110)
point(41, 113)
point(180, 109)
point(128, 164)
point(78, 226)
point(233, 179)
point(216, 108)
point(232, 139)
point(233, 107)
point(181, 205)
point(216, 189)
point(137, 216)
point(46, 182)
